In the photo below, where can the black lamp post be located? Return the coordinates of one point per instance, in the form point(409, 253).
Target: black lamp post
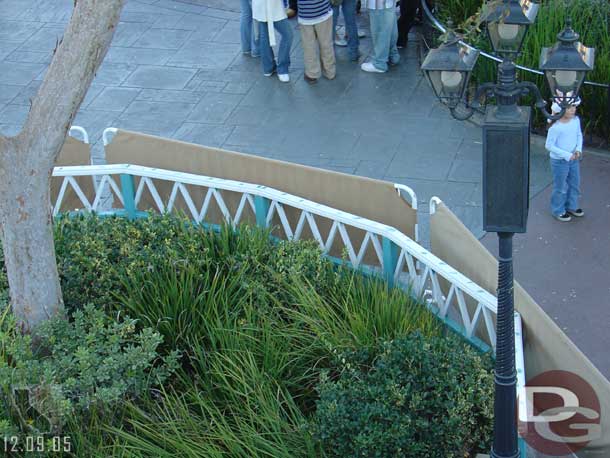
point(506, 140)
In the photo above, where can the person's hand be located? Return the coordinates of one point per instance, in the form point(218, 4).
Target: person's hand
point(578, 154)
point(574, 156)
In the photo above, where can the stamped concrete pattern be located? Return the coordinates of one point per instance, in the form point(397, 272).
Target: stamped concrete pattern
point(175, 69)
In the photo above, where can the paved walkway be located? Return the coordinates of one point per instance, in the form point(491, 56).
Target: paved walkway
point(175, 69)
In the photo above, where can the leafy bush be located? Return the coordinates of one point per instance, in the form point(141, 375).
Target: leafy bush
point(89, 362)
point(417, 397)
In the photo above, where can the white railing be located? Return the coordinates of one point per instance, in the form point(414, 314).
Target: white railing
point(402, 260)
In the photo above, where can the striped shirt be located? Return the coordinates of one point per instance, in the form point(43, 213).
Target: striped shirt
point(314, 11)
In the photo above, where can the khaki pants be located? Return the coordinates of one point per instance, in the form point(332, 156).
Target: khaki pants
point(317, 42)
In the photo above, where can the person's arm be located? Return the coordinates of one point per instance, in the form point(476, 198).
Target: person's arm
point(579, 138)
point(551, 144)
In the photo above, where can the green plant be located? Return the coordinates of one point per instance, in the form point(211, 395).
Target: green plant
point(89, 362)
point(414, 396)
point(358, 312)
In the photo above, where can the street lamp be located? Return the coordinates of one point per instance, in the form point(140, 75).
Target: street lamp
point(506, 143)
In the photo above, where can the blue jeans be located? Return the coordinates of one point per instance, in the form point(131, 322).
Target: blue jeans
point(349, 15)
point(249, 42)
point(566, 186)
point(384, 31)
point(283, 58)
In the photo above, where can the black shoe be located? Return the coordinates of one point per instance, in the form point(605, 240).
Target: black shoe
point(309, 79)
point(578, 212)
point(565, 217)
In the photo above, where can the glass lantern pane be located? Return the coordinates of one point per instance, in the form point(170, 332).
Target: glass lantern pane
point(506, 38)
point(565, 84)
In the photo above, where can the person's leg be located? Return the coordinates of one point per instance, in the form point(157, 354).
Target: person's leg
point(267, 57)
point(310, 51)
point(324, 35)
point(245, 26)
point(381, 32)
point(573, 182)
point(283, 57)
point(408, 13)
point(394, 56)
point(351, 28)
point(560, 170)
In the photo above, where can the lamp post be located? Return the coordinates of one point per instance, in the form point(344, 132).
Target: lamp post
point(506, 141)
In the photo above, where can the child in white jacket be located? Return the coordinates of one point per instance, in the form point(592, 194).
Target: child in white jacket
point(564, 143)
point(271, 15)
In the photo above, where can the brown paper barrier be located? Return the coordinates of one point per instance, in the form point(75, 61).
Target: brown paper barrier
point(373, 199)
point(546, 346)
point(74, 152)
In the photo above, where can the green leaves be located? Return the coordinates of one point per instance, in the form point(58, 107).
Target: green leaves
point(91, 361)
point(414, 396)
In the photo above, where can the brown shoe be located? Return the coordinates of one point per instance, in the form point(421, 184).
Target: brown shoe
point(309, 79)
point(290, 13)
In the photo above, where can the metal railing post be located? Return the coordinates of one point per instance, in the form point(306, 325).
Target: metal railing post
point(261, 204)
point(129, 195)
point(390, 259)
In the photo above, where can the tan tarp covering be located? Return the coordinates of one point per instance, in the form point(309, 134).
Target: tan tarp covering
point(546, 346)
point(74, 152)
point(372, 199)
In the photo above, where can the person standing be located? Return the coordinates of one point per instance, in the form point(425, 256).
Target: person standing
point(316, 26)
point(564, 143)
point(271, 16)
point(292, 9)
point(408, 13)
point(351, 28)
point(249, 41)
point(384, 31)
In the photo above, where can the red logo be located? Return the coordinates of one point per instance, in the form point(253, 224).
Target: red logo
point(563, 413)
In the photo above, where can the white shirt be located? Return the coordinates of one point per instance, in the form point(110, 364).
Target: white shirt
point(564, 138)
point(380, 4)
point(269, 11)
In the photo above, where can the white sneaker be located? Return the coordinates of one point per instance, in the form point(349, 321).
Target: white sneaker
point(369, 67)
point(283, 77)
point(340, 42)
point(361, 33)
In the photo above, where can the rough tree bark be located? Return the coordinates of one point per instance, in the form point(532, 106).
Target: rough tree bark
point(26, 162)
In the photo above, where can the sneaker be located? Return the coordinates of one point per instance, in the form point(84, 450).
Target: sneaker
point(578, 212)
point(340, 41)
point(369, 67)
point(361, 33)
point(393, 63)
point(354, 57)
point(565, 217)
point(270, 73)
point(283, 77)
point(290, 13)
point(309, 79)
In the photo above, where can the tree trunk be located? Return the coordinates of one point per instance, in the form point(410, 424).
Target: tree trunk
point(27, 160)
point(29, 249)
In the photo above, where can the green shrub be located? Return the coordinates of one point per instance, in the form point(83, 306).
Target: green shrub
point(89, 362)
point(417, 397)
